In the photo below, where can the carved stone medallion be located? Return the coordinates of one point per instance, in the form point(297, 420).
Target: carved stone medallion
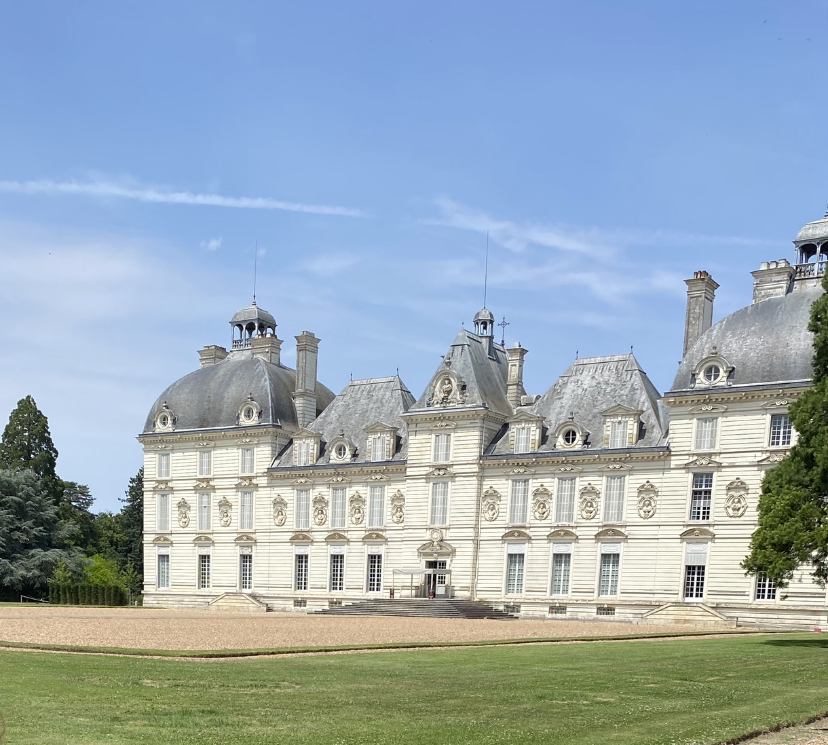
point(320, 510)
point(588, 506)
point(541, 498)
point(736, 503)
point(279, 511)
point(491, 504)
point(647, 500)
point(224, 508)
point(398, 508)
point(357, 508)
point(183, 513)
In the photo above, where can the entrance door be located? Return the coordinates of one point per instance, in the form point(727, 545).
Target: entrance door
point(436, 583)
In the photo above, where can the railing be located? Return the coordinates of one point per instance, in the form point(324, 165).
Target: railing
point(241, 343)
point(814, 269)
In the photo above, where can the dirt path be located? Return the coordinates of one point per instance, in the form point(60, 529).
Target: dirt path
point(815, 733)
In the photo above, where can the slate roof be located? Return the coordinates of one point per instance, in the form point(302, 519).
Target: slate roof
point(814, 231)
point(588, 387)
point(767, 342)
point(361, 404)
point(210, 397)
point(253, 313)
point(484, 376)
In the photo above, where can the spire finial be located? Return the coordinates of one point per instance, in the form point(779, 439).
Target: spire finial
point(486, 271)
point(503, 324)
point(826, 212)
point(255, 267)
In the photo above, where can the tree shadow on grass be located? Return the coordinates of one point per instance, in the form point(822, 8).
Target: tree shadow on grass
point(819, 641)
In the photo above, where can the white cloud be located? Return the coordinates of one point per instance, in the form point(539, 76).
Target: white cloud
point(159, 196)
point(212, 245)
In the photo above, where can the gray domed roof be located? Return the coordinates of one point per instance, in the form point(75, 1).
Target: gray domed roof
point(253, 313)
point(212, 396)
point(814, 231)
point(484, 315)
point(767, 342)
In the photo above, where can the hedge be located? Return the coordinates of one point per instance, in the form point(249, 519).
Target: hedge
point(86, 594)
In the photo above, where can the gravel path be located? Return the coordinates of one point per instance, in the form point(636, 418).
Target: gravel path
point(808, 734)
point(181, 629)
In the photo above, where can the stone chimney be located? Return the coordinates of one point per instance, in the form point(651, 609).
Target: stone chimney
point(700, 293)
point(514, 384)
point(772, 279)
point(268, 348)
point(211, 355)
point(304, 398)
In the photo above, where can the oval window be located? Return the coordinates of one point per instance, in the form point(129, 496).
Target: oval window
point(570, 437)
point(712, 373)
point(248, 413)
point(163, 420)
point(341, 451)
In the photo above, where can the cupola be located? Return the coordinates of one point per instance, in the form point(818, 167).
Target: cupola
point(811, 246)
point(250, 323)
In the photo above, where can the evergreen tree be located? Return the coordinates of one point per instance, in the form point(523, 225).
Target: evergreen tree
point(30, 531)
point(74, 512)
point(132, 524)
point(27, 443)
point(793, 506)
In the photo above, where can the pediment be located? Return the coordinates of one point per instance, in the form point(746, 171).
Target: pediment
point(525, 416)
point(301, 538)
point(303, 433)
point(621, 410)
point(703, 461)
point(379, 427)
point(614, 533)
point(245, 538)
point(373, 536)
point(202, 540)
point(562, 534)
point(336, 538)
point(516, 535)
point(440, 472)
point(698, 533)
point(436, 549)
point(162, 540)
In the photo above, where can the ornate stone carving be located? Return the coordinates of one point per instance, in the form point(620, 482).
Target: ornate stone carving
point(205, 444)
point(736, 503)
point(491, 504)
point(541, 499)
point(320, 510)
point(356, 506)
point(588, 506)
point(183, 508)
point(377, 477)
point(647, 500)
point(773, 458)
point(246, 482)
point(279, 511)
point(520, 471)
point(702, 461)
point(302, 480)
point(162, 486)
point(202, 484)
point(398, 508)
point(439, 472)
point(224, 508)
point(448, 390)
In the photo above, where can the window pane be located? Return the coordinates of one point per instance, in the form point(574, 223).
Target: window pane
point(780, 430)
point(514, 574)
point(246, 511)
point(303, 509)
point(379, 447)
point(205, 462)
point(765, 588)
point(374, 572)
point(163, 571)
point(303, 453)
point(442, 448)
point(439, 503)
point(522, 437)
point(694, 581)
point(163, 465)
point(337, 572)
point(338, 507)
point(163, 514)
point(301, 579)
point(706, 433)
point(376, 506)
point(246, 571)
point(614, 501)
point(248, 465)
point(565, 505)
point(609, 574)
point(560, 573)
point(701, 496)
point(519, 502)
point(204, 571)
point(204, 512)
point(618, 434)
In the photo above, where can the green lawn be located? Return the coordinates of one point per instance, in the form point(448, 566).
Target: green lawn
point(664, 692)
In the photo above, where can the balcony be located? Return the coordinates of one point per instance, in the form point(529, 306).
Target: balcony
point(813, 269)
point(241, 343)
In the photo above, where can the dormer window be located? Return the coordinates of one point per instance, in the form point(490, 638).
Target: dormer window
point(618, 433)
point(164, 419)
point(523, 438)
point(569, 437)
point(304, 453)
point(711, 374)
point(341, 449)
point(379, 447)
point(622, 425)
point(382, 440)
point(713, 370)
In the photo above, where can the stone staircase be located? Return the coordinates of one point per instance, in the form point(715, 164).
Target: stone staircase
point(697, 614)
point(419, 608)
point(237, 601)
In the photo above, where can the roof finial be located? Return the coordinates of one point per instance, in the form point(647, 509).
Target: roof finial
point(826, 212)
point(486, 271)
point(503, 324)
point(255, 267)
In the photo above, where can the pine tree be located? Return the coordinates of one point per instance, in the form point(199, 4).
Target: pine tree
point(132, 524)
point(74, 511)
point(27, 443)
point(30, 532)
point(793, 506)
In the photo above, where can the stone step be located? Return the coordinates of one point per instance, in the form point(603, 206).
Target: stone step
point(419, 608)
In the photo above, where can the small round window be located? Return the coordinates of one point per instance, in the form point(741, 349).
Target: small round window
point(712, 373)
point(163, 421)
point(570, 437)
point(248, 413)
point(341, 452)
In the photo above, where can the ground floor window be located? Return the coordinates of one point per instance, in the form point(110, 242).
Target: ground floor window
point(163, 578)
point(374, 572)
point(694, 581)
point(765, 588)
point(203, 571)
point(301, 572)
point(608, 583)
point(560, 573)
point(514, 574)
point(246, 571)
point(337, 576)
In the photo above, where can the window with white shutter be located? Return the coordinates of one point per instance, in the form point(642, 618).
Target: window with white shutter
point(376, 506)
point(565, 501)
point(246, 511)
point(204, 511)
point(303, 453)
point(337, 573)
point(163, 465)
point(247, 461)
point(439, 503)
point(618, 434)
point(338, 507)
point(205, 463)
point(163, 576)
point(442, 448)
point(523, 435)
point(514, 573)
point(561, 563)
point(302, 509)
point(608, 584)
point(519, 503)
point(162, 521)
point(706, 429)
point(379, 447)
point(614, 499)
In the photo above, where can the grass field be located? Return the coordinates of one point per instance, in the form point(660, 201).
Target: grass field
point(658, 692)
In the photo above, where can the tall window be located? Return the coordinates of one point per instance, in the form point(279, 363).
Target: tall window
point(337, 574)
point(439, 503)
point(301, 573)
point(374, 573)
point(700, 496)
point(163, 465)
point(205, 463)
point(442, 448)
point(614, 501)
point(694, 581)
point(303, 453)
point(162, 581)
point(565, 502)
point(162, 519)
point(246, 571)
point(338, 507)
point(706, 428)
point(204, 512)
point(765, 588)
point(302, 509)
point(608, 582)
point(246, 511)
point(780, 433)
point(519, 507)
point(376, 506)
point(379, 447)
point(618, 434)
point(247, 461)
point(514, 574)
point(560, 573)
point(203, 571)
point(522, 438)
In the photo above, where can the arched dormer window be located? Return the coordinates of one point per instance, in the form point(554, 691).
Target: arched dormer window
point(570, 435)
point(713, 371)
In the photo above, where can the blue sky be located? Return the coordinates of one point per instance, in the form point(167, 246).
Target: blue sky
point(609, 148)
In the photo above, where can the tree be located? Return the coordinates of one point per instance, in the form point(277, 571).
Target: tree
point(74, 512)
point(132, 517)
point(793, 505)
point(27, 443)
point(30, 531)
